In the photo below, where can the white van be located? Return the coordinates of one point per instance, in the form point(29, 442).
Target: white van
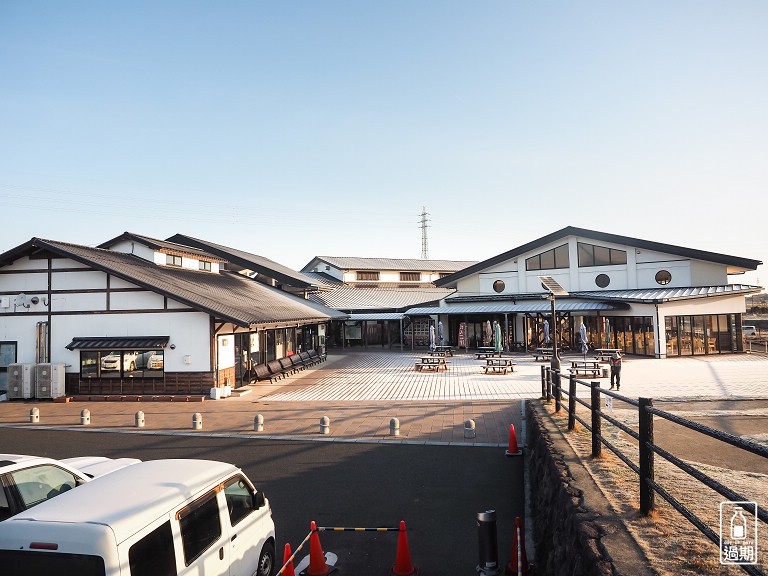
point(748, 331)
point(150, 519)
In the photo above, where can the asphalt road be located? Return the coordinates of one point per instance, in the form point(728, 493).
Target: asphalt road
point(437, 490)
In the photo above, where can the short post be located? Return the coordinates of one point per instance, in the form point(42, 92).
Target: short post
point(647, 495)
point(469, 429)
point(34, 415)
point(488, 549)
point(543, 382)
point(558, 394)
point(85, 417)
point(325, 425)
point(597, 446)
point(549, 385)
point(394, 427)
point(197, 421)
point(258, 423)
point(139, 419)
point(572, 402)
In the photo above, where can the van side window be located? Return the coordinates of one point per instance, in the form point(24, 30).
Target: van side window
point(153, 555)
point(240, 499)
point(200, 526)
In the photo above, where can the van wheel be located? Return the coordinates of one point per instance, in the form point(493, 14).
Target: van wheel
point(266, 560)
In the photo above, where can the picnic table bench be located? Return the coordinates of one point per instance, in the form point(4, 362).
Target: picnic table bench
point(543, 353)
point(445, 349)
point(604, 353)
point(585, 367)
point(433, 363)
point(498, 365)
point(486, 352)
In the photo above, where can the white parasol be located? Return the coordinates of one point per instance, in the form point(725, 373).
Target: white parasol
point(546, 332)
point(583, 333)
point(488, 332)
point(431, 338)
point(440, 332)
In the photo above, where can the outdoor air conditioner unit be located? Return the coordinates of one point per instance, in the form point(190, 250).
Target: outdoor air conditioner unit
point(21, 381)
point(49, 380)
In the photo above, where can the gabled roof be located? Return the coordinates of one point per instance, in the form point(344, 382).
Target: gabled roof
point(354, 263)
point(249, 261)
point(227, 296)
point(324, 279)
point(735, 264)
point(160, 245)
point(390, 299)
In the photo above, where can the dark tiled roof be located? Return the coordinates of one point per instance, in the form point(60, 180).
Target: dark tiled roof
point(734, 263)
point(353, 263)
point(655, 295)
point(392, 299)
point(156, 244)
point(519, 308)
point(110, 343)
point(228, 296)
point(324, 279)
point(259, 264)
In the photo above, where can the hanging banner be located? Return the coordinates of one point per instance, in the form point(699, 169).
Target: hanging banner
point(462, 335)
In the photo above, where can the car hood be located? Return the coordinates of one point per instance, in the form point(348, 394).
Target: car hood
point(95, 466)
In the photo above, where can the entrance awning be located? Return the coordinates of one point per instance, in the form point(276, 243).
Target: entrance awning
point(520, 308)
point(118, 343)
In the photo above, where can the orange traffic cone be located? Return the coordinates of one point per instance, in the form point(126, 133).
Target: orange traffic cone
point(287, 562)
point(518, 565)
point(317, 565)
point(403, 565)
point(513, 449)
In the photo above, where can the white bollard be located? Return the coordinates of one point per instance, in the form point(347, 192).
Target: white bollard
point(197, 421)
point(258, 423)
point(394, 427)
point(34, 415)
point(325, 425)
point(139, 419)
point(469, 429)
point(85, 417)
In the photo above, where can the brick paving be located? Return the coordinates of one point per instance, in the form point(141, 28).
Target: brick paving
point(360, 391)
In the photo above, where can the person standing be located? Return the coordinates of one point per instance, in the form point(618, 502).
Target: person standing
point(615, 363)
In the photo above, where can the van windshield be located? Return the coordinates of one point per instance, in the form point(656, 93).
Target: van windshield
point(32, 562)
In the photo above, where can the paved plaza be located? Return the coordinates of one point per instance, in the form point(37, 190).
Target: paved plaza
point(361, 391)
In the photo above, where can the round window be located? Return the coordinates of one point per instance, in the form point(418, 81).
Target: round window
point(663, 277)
point(602, 280)
point(499, 286)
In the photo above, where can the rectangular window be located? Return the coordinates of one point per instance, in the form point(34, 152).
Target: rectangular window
point(533, 263)
point(7, 357)
point(172, 260)
point(562, 259)
point(205, 266)
point(410, 276)
point(154, 555)
point(602, 256)
point(547, 260)
point(586, 256)
point(28, 562)
point(363, 275)
point(240, 499)
point(200, 526)
point(591, 255)
point(121, 363)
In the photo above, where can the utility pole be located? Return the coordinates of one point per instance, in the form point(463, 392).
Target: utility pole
point(424, 226)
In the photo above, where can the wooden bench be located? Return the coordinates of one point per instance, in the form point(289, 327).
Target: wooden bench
point(297, 361)
point(276, 369)
point(421, 366)
point(603, 354)
point(445, 349)
point(499, 365)
point(495, 369)
point(261, 372)
point(287, 365)
point(585, 367)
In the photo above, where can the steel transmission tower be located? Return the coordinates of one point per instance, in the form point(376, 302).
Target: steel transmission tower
point(424, 241)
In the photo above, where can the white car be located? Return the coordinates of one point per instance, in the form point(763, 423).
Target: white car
point(111, 361)
point(26, 481)
point(748, 331)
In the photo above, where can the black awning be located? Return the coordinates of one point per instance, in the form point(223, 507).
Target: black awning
point(113, 343)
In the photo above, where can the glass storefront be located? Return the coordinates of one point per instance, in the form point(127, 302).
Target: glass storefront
point(122, 364)
point(702, 334)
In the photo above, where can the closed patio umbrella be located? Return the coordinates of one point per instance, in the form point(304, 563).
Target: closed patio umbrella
point(488, 332)
point(497, 337)
point(583, 333)
point(440, 332)
point(546, 332)
point(431, 338)
point(607, 333)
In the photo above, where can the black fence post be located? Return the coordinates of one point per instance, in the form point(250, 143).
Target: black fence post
point(571, 402)
point(647, 495)
point(549, 385)
point(597, 446)
point(558, 395)
point(543, 382)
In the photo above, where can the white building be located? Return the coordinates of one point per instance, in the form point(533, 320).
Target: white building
point(146, 316)
point(641, 296)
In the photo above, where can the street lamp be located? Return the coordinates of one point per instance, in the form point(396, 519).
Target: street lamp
point(554, 289)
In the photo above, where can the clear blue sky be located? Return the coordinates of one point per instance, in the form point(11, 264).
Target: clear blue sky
point(292, 129)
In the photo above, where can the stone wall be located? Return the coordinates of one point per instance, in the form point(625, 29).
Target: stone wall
point(566, 537)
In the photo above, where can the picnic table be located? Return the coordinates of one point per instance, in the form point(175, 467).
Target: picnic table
point(585, 367)
point(498, 365)
point(604, 353)
point(433, 363)
point(543, 353)
point(444, 349)
point(486, 352)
